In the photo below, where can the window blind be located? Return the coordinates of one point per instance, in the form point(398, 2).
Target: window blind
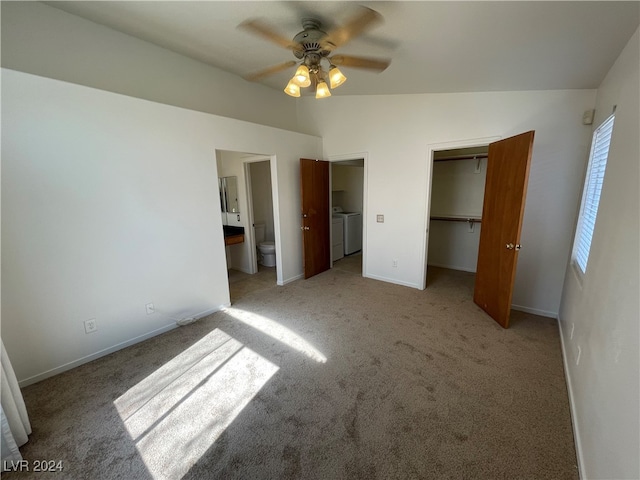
point(592, 189)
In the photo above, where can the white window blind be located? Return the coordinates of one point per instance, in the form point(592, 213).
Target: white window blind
point(591, 194)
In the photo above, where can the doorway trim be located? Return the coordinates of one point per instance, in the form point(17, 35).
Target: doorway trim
point(432, 148)
point(365, 189)
point(249, 231)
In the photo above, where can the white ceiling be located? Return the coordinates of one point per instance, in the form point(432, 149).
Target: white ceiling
point(445, 46)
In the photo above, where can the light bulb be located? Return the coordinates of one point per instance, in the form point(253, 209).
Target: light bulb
point(301, 77)
point(292, 89)
point(336, 77)
point(322, 91)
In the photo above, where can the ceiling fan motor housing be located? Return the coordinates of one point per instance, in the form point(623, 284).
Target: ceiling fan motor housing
point(310, 39)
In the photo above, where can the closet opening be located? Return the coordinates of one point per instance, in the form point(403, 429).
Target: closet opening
point(458, 178)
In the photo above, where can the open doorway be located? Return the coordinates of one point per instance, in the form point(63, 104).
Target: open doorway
point(455, 202)
point(348, 185)
point(245, 266)
point(260, 193)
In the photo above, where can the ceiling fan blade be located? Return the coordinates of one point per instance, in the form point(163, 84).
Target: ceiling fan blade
point(270, 71)
point(261, 28)
point(354, 27)
point(360, 62)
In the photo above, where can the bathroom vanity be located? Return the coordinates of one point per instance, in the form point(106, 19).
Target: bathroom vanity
point(233, 235)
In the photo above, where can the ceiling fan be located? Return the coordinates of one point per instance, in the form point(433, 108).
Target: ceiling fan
point(313, 46)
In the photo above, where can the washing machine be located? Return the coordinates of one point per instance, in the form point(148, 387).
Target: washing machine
point(352, 229)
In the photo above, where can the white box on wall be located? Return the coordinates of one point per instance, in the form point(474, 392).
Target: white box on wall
point(233, 219)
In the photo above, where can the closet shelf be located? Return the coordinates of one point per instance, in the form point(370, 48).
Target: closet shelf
point(478, 156)
point(456, 218)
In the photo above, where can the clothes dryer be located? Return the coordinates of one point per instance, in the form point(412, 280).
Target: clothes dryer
point(352, 230)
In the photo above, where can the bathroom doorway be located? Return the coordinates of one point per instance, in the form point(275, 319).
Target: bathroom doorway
point(261, 214)
point(244, 272)
point(348, 225)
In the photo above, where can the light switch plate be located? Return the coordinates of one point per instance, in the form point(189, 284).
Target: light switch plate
point(380, 218)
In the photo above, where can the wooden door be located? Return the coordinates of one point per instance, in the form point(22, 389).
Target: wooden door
point(316, 242)
point(504, 197)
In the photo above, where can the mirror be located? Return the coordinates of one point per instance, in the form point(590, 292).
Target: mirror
point(229, 194)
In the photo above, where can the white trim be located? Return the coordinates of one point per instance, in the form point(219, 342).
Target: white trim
point(289, 280)
point(249, 232)
point(276, 213)
point(394, 281)
point(535, 311)
point(572, 405)
point(365, 196)
point(106, 351)
point(277, 234)
point(452, 267)
point(431, 149)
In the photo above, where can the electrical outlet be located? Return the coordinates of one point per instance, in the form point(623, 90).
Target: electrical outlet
point(90, 325)
point(394, 263)
point(380, 218)
point(150, 308)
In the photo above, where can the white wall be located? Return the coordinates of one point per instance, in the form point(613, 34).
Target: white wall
point(457, 189)
point(46, 41)
point(111, 202)
point(396, 130)
point(347, 184)
point(603, 309)
point(453, 245)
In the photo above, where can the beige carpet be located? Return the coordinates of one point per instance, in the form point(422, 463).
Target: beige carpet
point(335, 377)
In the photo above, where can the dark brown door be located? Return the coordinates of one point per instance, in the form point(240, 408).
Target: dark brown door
point(504, 196)
point(316, 242)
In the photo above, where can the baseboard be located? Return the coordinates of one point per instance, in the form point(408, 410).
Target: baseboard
point(393, 280)
point(535, 311)
point(572, 405)
point(452, 267)
point(289, 280)
point(106, 351)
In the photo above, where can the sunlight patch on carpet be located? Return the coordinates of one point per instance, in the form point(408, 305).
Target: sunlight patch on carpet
point(176, 414)
point(278, 332)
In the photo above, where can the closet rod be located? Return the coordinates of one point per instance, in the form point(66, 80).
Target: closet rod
point(458, 219)
point(462, 157)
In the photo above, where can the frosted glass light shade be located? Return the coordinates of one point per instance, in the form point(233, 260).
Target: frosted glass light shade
point(301, 77)
point(292, 89)
point(336, 77)
point(322, 91)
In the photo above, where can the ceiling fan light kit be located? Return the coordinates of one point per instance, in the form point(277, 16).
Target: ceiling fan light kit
point(292, 89)
point(301, 77)
point(336, 77)
point(312, 46)
point(322, 91)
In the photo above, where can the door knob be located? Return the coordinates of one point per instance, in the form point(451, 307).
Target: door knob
point(510, 246)
point(518, 246)
point(304, 228)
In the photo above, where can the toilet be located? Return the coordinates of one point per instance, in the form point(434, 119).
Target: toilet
point(266, 250)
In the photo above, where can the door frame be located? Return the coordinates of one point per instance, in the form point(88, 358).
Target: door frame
point(432, 148)
point(355, 156)
point(249, 233)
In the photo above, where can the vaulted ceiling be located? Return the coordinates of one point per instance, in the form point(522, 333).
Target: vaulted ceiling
point(433, 46)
